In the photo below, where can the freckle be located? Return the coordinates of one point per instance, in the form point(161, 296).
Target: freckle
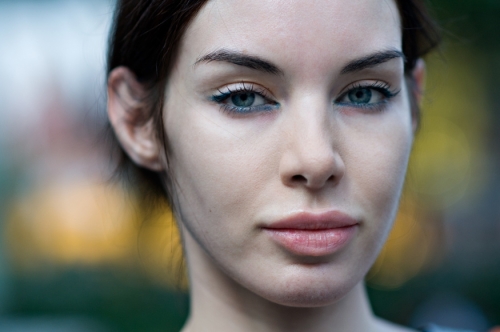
point(209, 210)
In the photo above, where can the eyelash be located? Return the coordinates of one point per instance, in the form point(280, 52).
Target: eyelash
point(244, 88)
point(381, 87)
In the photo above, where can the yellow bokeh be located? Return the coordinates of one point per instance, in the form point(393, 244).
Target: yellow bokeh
point(450, 146)
point(90, 223)
point(77, 222)
point(412, 246)
point(160, 249)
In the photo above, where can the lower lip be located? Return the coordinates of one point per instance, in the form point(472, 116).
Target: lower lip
point(320, 242)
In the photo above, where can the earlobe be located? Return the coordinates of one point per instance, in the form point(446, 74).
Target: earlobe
point(131, 120)
point(418, 86)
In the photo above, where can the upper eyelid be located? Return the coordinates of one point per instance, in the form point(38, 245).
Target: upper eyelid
point(246, 86)
point(377, 85)
point(228, 89)
point(365, 84)
point(243, 87)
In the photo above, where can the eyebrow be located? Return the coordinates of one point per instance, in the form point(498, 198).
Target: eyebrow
point(372, 60)
point(240, 59)
point(257, 63)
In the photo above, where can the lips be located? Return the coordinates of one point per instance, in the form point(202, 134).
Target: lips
point(311, 234)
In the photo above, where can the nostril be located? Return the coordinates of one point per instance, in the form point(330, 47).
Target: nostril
point(299, 178)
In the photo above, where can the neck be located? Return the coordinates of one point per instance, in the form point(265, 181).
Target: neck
point(218, 303)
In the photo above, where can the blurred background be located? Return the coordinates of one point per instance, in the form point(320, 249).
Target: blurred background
point(76, 256)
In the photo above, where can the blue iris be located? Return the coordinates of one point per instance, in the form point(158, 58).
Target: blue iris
point(243, 99)
point(360, 95)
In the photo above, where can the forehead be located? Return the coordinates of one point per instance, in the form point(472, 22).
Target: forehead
point(297, 31)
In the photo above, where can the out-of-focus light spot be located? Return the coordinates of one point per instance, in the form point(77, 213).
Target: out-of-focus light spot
point(160, 249)
point(440, 167)
point(73, 223)
point(409, 249)
point(448, 160)
point(89, 223)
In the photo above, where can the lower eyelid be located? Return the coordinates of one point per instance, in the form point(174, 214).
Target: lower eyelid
point(371, 108)
point(253, 109)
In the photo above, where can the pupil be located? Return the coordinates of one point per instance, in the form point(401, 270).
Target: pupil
point(360, 96)
point(243, 99)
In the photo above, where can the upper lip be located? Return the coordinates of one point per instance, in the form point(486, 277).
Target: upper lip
point(314, 221)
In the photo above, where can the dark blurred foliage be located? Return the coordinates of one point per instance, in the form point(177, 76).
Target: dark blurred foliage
point(472, 23)
point(475, 25)
point(119, 299)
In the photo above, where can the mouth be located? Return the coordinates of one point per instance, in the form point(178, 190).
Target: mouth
point(312, 234)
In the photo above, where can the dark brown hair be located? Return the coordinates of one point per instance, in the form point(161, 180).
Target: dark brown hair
point(145, 36)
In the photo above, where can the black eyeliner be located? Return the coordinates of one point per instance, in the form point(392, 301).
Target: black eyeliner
point(379, 86)
point(226, 108)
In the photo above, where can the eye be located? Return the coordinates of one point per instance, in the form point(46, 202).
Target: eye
point(244, 99)
point(364, 96)
point(367, 96)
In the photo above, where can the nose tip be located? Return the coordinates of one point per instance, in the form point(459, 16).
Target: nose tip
point(312, 146)
point(313, 168)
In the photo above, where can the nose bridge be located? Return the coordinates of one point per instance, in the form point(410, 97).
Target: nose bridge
point(311, 157)
point(312, 133)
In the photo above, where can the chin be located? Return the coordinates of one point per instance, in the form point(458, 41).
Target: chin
point(307, 297)
point(306, 291)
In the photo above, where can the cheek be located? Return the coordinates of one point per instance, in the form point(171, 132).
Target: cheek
point(380, 167)
point(215, 165)
point(377, 168)
point(219, 171)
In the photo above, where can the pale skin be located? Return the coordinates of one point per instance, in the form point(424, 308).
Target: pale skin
point(323, 128)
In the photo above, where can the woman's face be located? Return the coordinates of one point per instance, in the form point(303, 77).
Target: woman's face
point(289, 132)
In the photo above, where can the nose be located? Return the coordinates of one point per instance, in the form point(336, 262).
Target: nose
point(311, 158)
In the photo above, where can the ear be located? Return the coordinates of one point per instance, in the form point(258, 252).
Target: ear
point(131, 119)
point(418, 86)
point(419, 75)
